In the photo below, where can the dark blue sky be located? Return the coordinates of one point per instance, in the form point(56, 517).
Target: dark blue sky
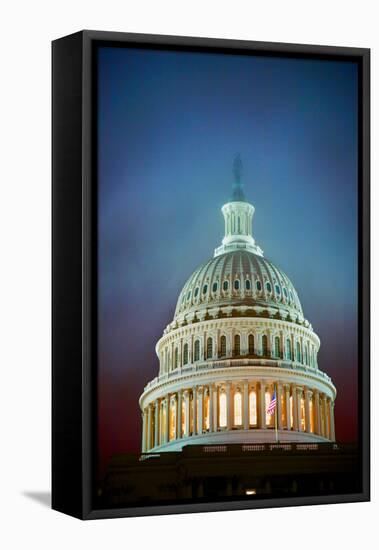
point(170, 124)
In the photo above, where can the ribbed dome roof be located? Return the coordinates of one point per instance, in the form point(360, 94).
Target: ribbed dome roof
point(238, 278)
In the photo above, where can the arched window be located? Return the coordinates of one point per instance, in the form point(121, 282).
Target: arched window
point(251, 344)
point(277, 290)
point(176, 357)
point(264, 346)
point(285, 293)
point(197, 350)
point(185, 354)
point(209, 348)
point(253, 408)
point(259, 286)
point(222, 410)
point(225, 286)
point(268, 287)
point(236, 284)
point(277, 346)
point(205, 288)
point(298, 352)
point(196, 291)
point(247, 284)
point(237, 408)
point(239, 225)
point(237, 345)
point(223, 346)
point(288, 349)
point(188, 295)
point(214, 287)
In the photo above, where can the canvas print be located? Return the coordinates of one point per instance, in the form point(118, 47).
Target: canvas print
point(227, 364)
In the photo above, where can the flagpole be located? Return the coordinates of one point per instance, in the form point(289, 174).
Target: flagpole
point(276, 416)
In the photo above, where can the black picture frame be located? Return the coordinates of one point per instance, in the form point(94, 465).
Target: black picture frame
point(74, 268)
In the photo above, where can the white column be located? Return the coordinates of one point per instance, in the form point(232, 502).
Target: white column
point(211, 408)
point(295, 412)
point(332, 427)
point(317, 412)
point(228, 406)
point(298, 395)
point(149, 422)
point(186, 396)
point(282, 345)
point(279, 392)
point(190, 350)
point(144, 423)
point(156, 424)
point(307, 410)
point(293, 344)
point(161, 411)
point(288, 407)
point(215, 408)
point(200, 411)
point(167, 423)
point(262, 406)
point(269, 342)
point(194, 410)
point(179, 415)
point(245, 405)
point(302, 349)
point(258, 344)
point(243, 334)
point(172, 405)
point(326, 425)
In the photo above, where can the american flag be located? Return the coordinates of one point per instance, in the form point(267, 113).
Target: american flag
point(272, 404)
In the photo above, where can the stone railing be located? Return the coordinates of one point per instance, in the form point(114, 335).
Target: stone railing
point(232, 363)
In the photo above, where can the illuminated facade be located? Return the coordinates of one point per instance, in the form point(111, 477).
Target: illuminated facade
point(238, 334)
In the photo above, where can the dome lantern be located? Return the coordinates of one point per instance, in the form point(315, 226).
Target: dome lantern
point(238, 216)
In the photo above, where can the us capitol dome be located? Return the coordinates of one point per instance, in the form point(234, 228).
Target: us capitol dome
point(238, 335)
